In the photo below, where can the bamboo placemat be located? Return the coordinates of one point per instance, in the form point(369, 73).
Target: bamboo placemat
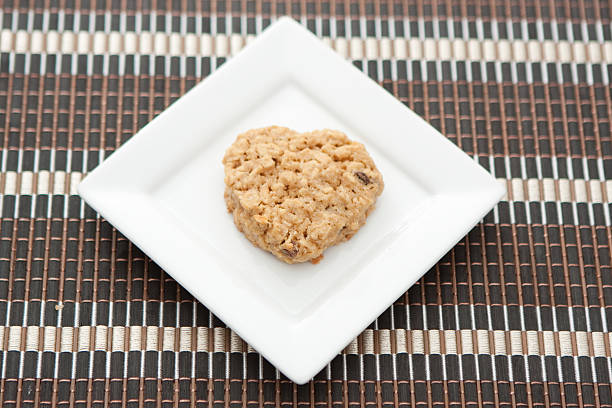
point(517, 314)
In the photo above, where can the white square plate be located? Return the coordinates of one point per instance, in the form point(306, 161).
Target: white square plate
point(164, 191)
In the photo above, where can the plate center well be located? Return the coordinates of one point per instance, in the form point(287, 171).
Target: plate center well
point(194, 196)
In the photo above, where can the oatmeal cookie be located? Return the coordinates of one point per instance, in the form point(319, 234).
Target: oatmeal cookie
point(296, 194)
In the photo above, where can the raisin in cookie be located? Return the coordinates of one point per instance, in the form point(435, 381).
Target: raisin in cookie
point(296, 194)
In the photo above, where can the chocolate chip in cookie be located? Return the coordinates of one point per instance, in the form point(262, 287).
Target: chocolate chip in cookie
point(363, 177)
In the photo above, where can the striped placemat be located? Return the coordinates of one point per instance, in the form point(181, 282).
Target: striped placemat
point(517, 314)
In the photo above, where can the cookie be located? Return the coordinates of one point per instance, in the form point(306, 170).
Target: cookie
point(296, 194)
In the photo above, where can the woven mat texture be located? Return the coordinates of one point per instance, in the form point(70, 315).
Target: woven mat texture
point(518, 313)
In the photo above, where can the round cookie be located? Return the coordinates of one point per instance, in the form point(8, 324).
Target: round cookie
point(296, 194)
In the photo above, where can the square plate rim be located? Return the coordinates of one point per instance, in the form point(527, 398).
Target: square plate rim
point(303, 365)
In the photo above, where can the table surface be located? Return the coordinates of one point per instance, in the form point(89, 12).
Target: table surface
point(518, 313)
